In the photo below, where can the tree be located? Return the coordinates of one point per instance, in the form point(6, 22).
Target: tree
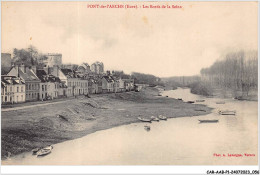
point(28, 57)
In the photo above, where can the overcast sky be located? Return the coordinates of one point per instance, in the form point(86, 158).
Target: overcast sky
point(163, 42)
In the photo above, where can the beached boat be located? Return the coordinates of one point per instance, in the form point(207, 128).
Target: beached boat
point(35, 150)
point(190, 101)
point(44, 151)
point(220, 102)
point(208, 121)
point(161, 117)
point(144, 119)
point(155, 118)
point(200, 110)
point(227, 112)
point(200, 100)
point(179, 98)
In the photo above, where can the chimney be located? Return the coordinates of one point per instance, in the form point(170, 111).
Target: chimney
point(23, 68)
point(17, 70)
point(33, 68)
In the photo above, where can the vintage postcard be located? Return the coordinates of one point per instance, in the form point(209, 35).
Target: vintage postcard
point(129, 83)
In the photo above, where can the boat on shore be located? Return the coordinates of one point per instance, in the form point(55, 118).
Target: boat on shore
point(35, 150)
point(155, 118)
point(208, 121)
point(161, 117)
point(220, 102)
point(200, 110)
point(179, 98)
point(190, 101)
point(200, 100)
point(44, 151)
point(227, 112)
point(144, 119)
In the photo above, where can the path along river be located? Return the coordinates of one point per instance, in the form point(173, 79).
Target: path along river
point(178, 141)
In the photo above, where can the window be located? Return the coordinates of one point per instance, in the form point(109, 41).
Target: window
point(22, 97)
point(10, 89)
point(5, 98)
point(17, 98)
point(29, 87)
point(21, 89)
point(17, 89)
point(42, 87)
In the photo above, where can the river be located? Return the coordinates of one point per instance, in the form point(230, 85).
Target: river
point(177, 141)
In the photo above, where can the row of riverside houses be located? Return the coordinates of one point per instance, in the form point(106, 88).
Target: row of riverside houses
point(23, 84)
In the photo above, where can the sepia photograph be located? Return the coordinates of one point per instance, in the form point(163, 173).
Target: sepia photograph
point(129, 83)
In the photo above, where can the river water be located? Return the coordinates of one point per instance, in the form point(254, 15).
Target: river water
point(178, 141)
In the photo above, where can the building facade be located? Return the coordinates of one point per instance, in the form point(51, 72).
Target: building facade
point(32, 82)
point(12, 90)
point(97, 67)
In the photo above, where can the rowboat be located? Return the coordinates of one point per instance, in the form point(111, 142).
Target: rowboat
point(208, 121)
point(154, 118)
point(179, 98)
point(227, 112)
point(161, 117)
point(200, 100)
point(35, 150)
point(44, 151)
point(220, 102)
point(200, 110)
point(144, 119)
point(190, 102)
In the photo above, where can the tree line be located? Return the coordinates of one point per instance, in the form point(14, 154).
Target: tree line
point(237, 71)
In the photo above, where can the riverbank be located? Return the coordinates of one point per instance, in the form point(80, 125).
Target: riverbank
point(25, 129)
point(204, 89)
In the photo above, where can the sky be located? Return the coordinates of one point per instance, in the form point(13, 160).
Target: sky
point(162, 42)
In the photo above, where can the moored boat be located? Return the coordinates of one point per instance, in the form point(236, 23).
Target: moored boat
point(190, 101)
point(200, 100)
point(35, 150)
point(200, 110)
point(144, 119)
point(43, 152)
point(161, 117)
point(208, 121)
point(155, 118)
point(220, 102)
point(227, 112)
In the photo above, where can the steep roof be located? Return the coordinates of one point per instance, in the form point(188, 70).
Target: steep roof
point(41, 75)
point(44, 77)
point(69, 73)
point(109, 79)
point(11, 80)
point(28, 76)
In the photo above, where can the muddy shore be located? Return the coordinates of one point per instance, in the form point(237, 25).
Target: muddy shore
point(25, 129)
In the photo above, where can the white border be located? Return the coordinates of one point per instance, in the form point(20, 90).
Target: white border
point(129, 169)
